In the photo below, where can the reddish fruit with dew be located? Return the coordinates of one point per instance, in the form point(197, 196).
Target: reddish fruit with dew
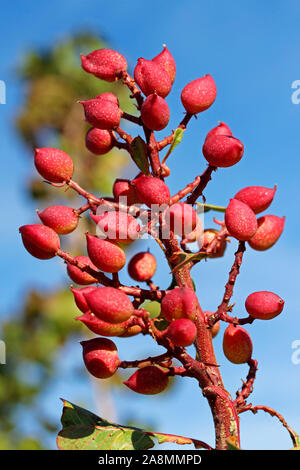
point(269, 230)
point(167, 62)
point(117, 226)
point(110, 304)
point(240, 220)
point(104, 63)
point(79, 297)
point(149, 380)
point(61, 219)
point(53, 164)
point(102, 328)
point(181, 218)
point(264, 305)
point(107, 255)
point(99, 141)
point(152, 78)
point(180, 302)
point(155, 112)
point(102, 113)
point(100, 356)
point(78, 274)
point(257, 197)
point(142, 266)
point(151, 190)
point(199, 95)
point(40, 241)
point(220, 129)
point(223, 150)
point(182, 332)
point(237, 344)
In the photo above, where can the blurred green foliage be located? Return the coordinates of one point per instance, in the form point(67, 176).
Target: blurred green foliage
point(51, 116)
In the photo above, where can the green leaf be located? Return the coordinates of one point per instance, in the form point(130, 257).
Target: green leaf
point(83, 430)
point(211, 207)
point(186, 258)
point(178, 134)
point(297, 443)
point(139, 154)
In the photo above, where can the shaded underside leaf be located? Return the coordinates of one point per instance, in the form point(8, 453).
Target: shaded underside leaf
point(83, 430)
point(186, 258)
point(139, 154)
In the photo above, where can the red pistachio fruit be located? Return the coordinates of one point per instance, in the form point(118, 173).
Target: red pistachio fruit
point(222, 150)
point(182, 332)
point(152, 78)
point(237, 344)
point(149, 380)
point(264, 305)
point(221, 129)
point(99, 141)
point(100, 357)
point(257, 197)
point(240, 220)
point(40, 241)
point(109, 304)
point(104, 63)
point(117, 226)
point(77, 275)
point(151, 190)
point(199, 95)
point(53, 164)
point(102, 113)
point(61, 219)
point(107, 255)
point(167, 62)
point(142, 266)
point(155, 113)
point(180, 302)
point(270, 227)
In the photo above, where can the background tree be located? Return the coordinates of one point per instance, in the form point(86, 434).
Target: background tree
point(54, 81)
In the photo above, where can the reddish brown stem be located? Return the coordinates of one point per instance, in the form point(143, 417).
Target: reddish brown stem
point(204, 179)
point(247, 388)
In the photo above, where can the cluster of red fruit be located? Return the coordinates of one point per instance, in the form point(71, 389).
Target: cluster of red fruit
point(107, 310)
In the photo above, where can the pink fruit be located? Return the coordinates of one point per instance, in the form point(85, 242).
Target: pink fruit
point(182, 332)
point(142, 266)
point(80, 299)
point(105, 64)
point(105, 254)
point(257, 197)
point(151, 190)
point(180, 302)
point(61, 219)
point(99, 141)
point(109, 304)
point(167, 62)
point(222, 150)
point(264, 305)
point(40, 241)
point(102, 113)
point(149, 380)
point(108, 96)
point(208, 236)
point(152, 78)
point(53, 164)
point(214, 330)
point(199, 95)
point(123, 188)
point(102, 328)
point(270, 227)
point(237, 344)
point(181, 218)
point(240, 220)
point(117, 226)
point(81, 277)
point(221, 129)
point(155, 113)
point(100, 357)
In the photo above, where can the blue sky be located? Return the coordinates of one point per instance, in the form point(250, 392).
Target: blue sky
point(252, 51)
